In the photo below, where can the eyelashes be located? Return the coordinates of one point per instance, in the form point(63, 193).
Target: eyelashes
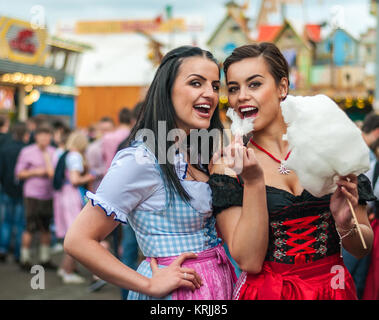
point(252, 85)
point(198, 84)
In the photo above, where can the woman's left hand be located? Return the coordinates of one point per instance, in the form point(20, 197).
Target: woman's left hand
point(347, 189)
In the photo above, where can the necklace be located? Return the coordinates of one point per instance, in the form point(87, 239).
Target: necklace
point(282, 168)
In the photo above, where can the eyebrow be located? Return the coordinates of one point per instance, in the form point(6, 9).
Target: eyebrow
point(247, 80)
point(200, 76)
point(196, 75)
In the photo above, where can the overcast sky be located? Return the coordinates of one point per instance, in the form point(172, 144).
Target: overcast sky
point(352, 14)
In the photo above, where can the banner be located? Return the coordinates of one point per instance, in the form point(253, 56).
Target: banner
point(125, 26)
point(20, 42)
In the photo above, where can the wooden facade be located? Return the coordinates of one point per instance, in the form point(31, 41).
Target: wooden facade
point(93, 103)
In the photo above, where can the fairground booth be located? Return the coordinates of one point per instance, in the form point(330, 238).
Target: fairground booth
point(37, 72)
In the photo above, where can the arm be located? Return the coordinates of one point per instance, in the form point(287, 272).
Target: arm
point(74, 164)
point(245, 229)
point(347, 189)
point(22, 170)
point(48, 164)
point(352, 242)
point(82, 242)
point(77, 179)
point(28, 173)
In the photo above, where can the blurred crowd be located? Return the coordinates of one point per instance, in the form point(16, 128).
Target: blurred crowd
point(45, 170)
point(46, 167)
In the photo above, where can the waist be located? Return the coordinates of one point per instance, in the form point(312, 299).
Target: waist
point(38, 191)
point(304, 270)
point(217, 252)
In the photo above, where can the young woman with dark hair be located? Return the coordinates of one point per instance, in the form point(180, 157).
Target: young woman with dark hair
point(167, 203)
point(296, 251)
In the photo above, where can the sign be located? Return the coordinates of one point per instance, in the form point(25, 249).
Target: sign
point(23, 41)
point(6, 98)
point(19, 42)
point(125, 26)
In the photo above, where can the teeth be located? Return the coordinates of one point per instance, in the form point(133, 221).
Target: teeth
point(248, 109)
point(203, 106)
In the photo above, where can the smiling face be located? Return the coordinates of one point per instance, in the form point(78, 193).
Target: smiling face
point(253, 92)
point(195, 93)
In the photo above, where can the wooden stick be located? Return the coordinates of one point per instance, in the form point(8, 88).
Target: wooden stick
point(357, 224)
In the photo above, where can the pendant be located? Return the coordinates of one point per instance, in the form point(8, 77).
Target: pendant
point(283, 170)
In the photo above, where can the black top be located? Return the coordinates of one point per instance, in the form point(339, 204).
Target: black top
point(301, 227)
point(4, 138)
point(8, 157)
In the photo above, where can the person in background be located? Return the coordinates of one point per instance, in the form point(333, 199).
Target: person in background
point(371, 285)
point(33, 123)
point(96, 166)
point(4, 136)
point(135, 113)
point(128, 243)
point(14, 221)
point(35, 167)
point(370, 132)
point(4, 127)
point(358, 268)
point(94, 153)
point(68, 201)
point(60, 135)
point(110, 143)
point(112, 140)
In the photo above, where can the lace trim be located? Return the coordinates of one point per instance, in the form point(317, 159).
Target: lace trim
point(226, 192)
point(365, 190)
point(118, 215)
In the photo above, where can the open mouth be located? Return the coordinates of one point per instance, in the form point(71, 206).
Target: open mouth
point(203, 110)
point(248, 111)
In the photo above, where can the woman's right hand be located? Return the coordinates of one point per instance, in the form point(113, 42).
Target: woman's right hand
point(165, 280)
point(241, 160)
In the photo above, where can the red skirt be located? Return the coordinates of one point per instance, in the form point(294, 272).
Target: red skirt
point(324, 279)
point(371, 291)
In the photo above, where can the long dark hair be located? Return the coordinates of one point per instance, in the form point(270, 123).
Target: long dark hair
point(277, 63)
point(158, 106)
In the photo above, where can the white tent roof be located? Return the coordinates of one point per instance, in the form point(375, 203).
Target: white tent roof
point(121, 59)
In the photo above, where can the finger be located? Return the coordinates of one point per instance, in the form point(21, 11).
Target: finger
point(153, 265)
point(248, 155)
point(350, 186)
point(350, 178)
point(353, 200)
point(195, 277)
point(184, 256)
point(191, 277)
point(353, 178)
point(187, 284)
point(216, 156)
point(228, 153)
point(238, 160)
point(198, 279)
point(238, 140)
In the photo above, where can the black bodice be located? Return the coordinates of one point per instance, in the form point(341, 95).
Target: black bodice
point(301, 228)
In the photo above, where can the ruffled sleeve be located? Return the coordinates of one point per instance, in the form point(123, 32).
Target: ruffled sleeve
point(131, 179)
point(226, 192)
point(365, 191)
